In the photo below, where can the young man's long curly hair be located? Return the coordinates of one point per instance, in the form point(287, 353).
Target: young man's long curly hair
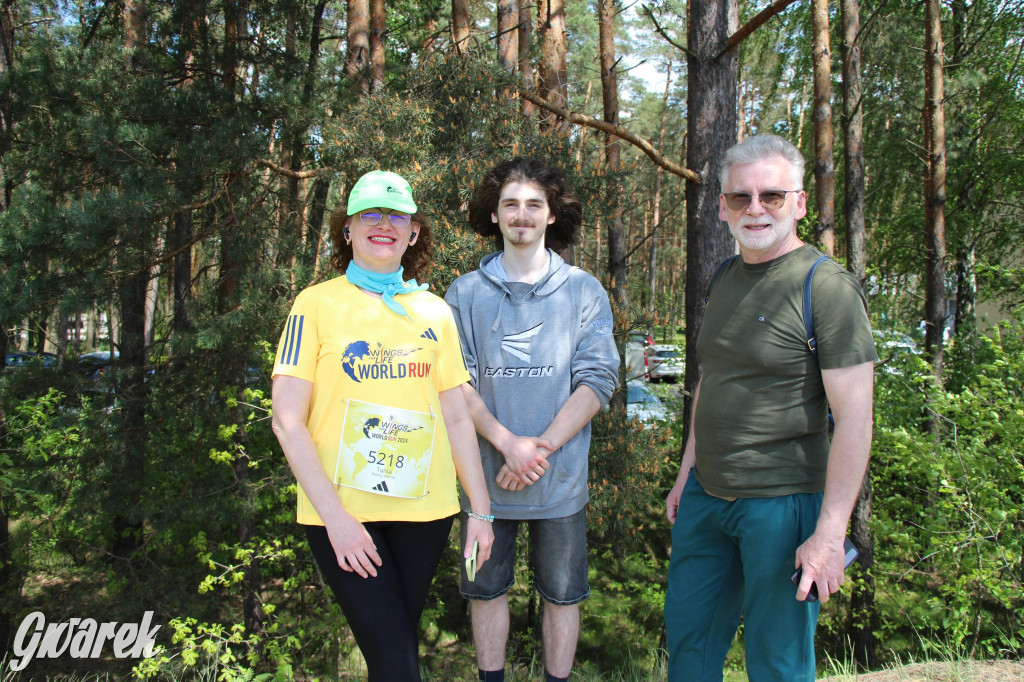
point(414, 259)
point(564, 205)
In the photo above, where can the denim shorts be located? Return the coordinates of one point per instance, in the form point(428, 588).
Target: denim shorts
point(558, 553)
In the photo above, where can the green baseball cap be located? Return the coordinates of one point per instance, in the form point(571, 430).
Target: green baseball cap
point(381, 189)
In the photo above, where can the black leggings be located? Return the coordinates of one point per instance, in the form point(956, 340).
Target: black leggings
point(384, 612)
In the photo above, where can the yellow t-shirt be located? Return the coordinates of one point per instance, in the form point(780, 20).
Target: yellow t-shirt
point(375, 414)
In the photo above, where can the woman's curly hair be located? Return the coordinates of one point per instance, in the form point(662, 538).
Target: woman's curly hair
point(414, 259)
point(564, 205)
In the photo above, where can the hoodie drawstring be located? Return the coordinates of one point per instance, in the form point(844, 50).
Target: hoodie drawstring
point(497, 320)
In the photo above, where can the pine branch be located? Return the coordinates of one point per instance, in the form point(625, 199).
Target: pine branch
point(298, 175)
point(661, 31)
point(635, 140)
point(762, 17)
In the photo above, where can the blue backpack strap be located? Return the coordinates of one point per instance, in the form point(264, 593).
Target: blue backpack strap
point(812, 343)
point(714, 277)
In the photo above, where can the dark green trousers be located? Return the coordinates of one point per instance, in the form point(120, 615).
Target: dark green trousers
point(733, 558)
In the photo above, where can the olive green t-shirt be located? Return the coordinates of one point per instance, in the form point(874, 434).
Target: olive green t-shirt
point(761, 419)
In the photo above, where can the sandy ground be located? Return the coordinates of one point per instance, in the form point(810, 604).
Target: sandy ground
point(964, 671)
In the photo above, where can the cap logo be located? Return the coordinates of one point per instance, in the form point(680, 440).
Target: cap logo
point(396, 190)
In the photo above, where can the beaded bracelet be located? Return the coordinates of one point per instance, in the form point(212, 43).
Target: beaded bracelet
point(477, 515)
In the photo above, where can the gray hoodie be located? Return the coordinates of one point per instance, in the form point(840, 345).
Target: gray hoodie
point(527, 348)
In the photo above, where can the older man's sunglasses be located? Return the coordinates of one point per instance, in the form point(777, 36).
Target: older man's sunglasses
point(771, 200)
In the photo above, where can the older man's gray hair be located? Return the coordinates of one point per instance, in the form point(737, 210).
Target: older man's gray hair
point(759, 148)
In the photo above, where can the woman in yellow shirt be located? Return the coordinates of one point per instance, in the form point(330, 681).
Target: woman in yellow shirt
point(368, 408)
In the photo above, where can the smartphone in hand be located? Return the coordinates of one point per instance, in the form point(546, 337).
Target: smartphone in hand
point(812, 594)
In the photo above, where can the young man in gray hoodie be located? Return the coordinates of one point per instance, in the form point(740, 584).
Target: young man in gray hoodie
point(537, 338)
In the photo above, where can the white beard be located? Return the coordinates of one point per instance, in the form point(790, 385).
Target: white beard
point(776, 232)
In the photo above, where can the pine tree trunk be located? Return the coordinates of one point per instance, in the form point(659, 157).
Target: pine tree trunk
point(863, 616)
point(862, 597)
point(7, 593)
point(554, 66)
point(378, 33)
point(181, 237)
point(965, 323)
point(132, 393)
point(658, 177)
point(460, 26)
point(824, 169)
point(935, 188)
point(526, 54)
point(617, 273)
point(315, 224)
point(232, 268)
point(357, 54)
point(508, 34)
point(7, 605)
point(853, 114)
point(7, 21)
point(711, 130)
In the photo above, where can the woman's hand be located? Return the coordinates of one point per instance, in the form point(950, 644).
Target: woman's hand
point(353, 546)
point(483, 533)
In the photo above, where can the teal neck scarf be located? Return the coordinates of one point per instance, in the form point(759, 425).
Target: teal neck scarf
point(388, 285)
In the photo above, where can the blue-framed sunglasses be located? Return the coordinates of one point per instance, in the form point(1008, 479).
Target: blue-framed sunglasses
point(371, 218)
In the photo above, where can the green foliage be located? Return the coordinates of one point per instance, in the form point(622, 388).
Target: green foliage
point(948, 517)
point(626, 460)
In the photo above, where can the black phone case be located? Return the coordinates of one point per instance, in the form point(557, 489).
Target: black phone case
point(812, 594)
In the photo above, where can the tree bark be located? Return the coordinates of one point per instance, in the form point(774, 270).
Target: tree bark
point(314, 226)
point(554, 78)
point(935, 188)
point(508, 34)
point(853, 118)
point(181, 240)
point(135, 34)
point(378, 34)
point(656, 212)
point(863, 617)
point(357, 53)
point(965, 323)
point(711, 130)
point(131, 385)
point(824, 168)
point(131, 392)
point(526, 54)
point(7, 591)
point(862, 597)
point(460, 26)
point(7, 21)
point(617, 272)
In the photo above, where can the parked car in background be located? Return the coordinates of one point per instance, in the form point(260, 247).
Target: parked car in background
point(642, 404)
point(895, 350)
point(636, 361)
point(18, 359)
point(666, 362)
point(642, 337)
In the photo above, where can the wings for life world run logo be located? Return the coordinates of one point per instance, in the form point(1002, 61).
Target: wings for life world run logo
point(363, 361)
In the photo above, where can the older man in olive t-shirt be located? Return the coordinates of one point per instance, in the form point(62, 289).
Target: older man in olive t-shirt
point(769, 493)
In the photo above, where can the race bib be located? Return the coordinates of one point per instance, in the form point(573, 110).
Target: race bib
point(385, 450)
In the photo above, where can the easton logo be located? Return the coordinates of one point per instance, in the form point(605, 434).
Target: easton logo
point(381, 487)
point(519, 344)
point(429, 334)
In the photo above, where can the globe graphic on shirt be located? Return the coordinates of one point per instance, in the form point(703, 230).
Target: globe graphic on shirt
point(370, 425)
point(354, 351)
